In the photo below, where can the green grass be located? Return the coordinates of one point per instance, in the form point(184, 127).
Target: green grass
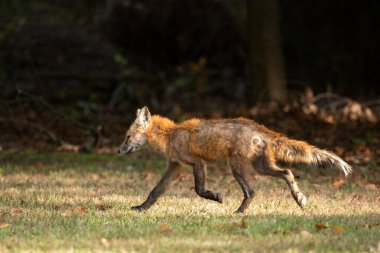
point(78, 202)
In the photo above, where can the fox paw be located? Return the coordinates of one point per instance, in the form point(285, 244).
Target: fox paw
point(239, 211)
point(218, 197)
point(138, 208)
point(301, 200)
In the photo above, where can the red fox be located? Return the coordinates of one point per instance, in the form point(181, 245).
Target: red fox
point(241, 142)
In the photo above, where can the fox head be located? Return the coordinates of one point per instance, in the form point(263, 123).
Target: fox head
point(136, 136)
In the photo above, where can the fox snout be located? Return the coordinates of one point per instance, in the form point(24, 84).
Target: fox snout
point(125, 149)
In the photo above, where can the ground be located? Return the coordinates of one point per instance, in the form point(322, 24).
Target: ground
point(66, 202)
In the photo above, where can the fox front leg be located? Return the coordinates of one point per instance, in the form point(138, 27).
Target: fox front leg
point(173, 171)
point(200, 181)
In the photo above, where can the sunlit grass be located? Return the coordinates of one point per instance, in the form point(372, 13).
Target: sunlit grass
point(75, 202)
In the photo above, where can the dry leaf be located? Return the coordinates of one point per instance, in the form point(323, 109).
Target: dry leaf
point(360, 180)
point(94, 176)
point(4, 225)
point(229, 227)
point(16, 211)
point(39, 164)
point(339, 150)
point(105, 242)
point(338, 183)
point(68, 147)
point(79, 210)
point(149, 176)
point(371, 186)
point(320, 226)
point(243, 224)
point(165, 228)
point(337, 229)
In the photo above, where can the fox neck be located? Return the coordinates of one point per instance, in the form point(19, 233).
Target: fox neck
point(158, 133)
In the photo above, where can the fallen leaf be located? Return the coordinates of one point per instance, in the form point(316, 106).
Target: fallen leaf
point(320, 226)
point(337, 229)
point(4, 225)
point(165, 228)
point(149, 176)
point(360, 180)
point(228, 227)
point(39, 164)
point(339, 150)
point(95, 176)
point(105, 242)
point(338, 183)
point(16, 211)
point(79, 210)
point(371, 186)
point(243, 224)
point(232, 226)
point(68, 147)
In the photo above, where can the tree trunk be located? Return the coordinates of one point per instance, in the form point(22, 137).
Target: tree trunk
point(266, 70)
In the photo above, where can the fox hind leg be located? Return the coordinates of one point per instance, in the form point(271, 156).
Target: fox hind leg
point(265, 165)
point(239, 167)
point(199, 171)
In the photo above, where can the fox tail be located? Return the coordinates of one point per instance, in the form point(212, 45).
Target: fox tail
point(293, 151)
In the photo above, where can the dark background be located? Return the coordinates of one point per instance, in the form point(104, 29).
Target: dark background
point(76, 71)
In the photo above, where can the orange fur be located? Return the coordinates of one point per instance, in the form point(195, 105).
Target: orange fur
point(214, 140)
point(159, 131)
point(241, 142)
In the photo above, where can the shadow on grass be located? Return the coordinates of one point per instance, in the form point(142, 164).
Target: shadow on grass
point(31, 162)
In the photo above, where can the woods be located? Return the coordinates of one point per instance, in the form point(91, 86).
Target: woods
point(267, 69)
point(73, 74)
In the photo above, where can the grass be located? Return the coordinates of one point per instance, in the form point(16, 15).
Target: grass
point(79, 202)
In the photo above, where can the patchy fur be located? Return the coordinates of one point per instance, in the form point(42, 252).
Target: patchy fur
point(241, 142)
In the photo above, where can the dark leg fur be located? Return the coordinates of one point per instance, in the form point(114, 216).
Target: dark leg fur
point(239, 169)
point(173, 171)
point(264, 165)
point(199, 171)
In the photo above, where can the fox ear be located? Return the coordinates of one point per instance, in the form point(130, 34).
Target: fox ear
point(143, 115)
